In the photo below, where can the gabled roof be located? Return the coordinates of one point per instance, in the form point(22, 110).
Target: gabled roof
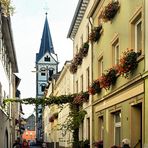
point(46, 42)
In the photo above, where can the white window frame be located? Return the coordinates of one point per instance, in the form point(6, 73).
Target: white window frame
point(117, 53)
point(100, 65)
point(136, 24)
point(116, 125)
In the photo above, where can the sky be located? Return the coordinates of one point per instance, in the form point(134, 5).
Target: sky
point(27, 26)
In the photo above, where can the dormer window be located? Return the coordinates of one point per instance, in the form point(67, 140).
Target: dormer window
point(47, 59)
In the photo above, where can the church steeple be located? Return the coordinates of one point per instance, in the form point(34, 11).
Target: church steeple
point(46, 42)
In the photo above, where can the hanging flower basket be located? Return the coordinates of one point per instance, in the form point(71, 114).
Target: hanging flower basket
point(80, 98)
point(73, 68)
point(84, 49)
point(94, 88)
point(78, 59)
point(94, 36)
point(110, 11)
point(128, 63)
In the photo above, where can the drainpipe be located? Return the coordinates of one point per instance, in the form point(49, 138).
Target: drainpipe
point(91, 69)
point(145, 141)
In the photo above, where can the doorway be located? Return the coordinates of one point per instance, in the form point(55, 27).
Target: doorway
point(136, 126)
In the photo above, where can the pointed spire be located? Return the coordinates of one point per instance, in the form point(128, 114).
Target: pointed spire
point(46, 41)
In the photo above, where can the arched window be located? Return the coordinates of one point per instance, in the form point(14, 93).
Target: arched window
point(43, 86)
point(43, 71)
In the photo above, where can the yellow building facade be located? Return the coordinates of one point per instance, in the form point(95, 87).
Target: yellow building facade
point(54, 134)
point(113, 71)
point(118, 110)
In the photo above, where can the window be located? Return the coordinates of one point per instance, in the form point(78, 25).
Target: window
point(117, 128)
point(87, 77)
point(76, 48)
point(88, 128)
point(100, 63)
point(116, 52)
point(76, 86)
point(82, 41)
point(101, 127)
point(138, 35)
point(47, 59)
point(136, 31)
point(43, 86)
point(51, 72)
point(43, 71)
point(82, 83)
point(87, 32)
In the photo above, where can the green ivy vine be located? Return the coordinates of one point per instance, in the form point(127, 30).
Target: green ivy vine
point(76, 114)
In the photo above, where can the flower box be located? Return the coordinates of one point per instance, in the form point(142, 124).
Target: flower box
point(94, 88)
point(94, 36)
point(73, 68)
point(108, 79)
point(110, 11)
point(84, 49)
point(128, 63)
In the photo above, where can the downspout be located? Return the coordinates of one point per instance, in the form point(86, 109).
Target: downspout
point(145, 75)
point(91, 80)
point(72, 56)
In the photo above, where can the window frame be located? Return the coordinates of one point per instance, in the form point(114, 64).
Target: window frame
point(100, 65)
point(116, 51)
point(117, 125)
point(136, 34)
point(136, 18)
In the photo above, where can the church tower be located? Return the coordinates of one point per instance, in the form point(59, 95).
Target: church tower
point(46, 66)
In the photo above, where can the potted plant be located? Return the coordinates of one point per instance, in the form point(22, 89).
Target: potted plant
point(110, 11)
